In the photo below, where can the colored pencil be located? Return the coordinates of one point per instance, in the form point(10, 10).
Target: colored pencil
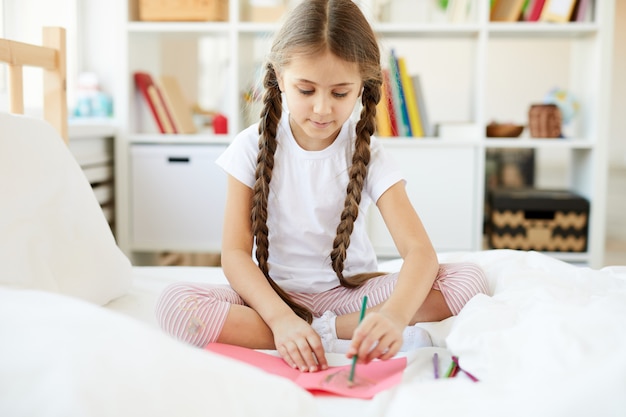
point(354, 358)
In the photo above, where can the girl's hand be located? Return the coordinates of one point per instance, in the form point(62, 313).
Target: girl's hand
point(299, 345)
point(378, 336)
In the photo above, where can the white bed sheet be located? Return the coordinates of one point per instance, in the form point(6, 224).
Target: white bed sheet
point(548, 341)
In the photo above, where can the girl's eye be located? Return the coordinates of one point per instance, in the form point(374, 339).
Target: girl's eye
point(340, 95)
point(305, 92)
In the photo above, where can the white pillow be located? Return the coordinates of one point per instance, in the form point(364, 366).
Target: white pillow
point(53, 234)
point(61, 356)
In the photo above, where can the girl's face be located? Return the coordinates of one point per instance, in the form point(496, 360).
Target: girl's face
point(321, 93)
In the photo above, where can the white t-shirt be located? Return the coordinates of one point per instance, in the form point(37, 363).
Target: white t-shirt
point(307, 193)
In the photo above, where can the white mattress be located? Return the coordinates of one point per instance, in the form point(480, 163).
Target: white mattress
point(548, 341)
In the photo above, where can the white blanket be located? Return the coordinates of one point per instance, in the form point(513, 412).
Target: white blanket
point(548, 341)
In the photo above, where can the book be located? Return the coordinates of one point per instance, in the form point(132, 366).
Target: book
point(582, 11)
point(427, 127)
point(383, 120)
point(154, 99)
point(390, 102)
point(458, 11)
point(533, 11)
point(180, 110)
point(399, 103)
point(370, 379)
point(410, 99)
point(506, 10)
point(558, 11)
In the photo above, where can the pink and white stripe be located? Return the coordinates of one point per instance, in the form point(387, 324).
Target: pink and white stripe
point(196, 313)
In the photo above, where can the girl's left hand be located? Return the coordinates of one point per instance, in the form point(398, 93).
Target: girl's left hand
point(378, 336)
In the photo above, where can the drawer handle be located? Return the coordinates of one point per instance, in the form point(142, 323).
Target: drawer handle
point(178, 159)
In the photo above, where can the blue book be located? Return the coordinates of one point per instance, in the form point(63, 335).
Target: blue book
point(399, 100)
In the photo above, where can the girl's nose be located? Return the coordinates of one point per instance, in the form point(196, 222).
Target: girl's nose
point(322, 105)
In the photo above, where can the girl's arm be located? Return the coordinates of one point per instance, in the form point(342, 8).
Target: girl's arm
point(415, 279)
point(295, 340)
point(420, 265)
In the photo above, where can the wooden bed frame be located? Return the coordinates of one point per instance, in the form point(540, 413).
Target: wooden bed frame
point(51, 57)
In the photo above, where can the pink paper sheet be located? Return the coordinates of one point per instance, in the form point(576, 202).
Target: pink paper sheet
point(369, 379)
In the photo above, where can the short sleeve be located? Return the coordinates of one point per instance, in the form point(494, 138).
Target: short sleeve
point(239, 159)
point(383, 171)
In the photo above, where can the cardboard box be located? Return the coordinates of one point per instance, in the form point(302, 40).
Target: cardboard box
point(186, 10)
point(265, 11)
point(534, 219)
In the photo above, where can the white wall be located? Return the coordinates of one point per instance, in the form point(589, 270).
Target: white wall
point(617, 143)
point(23, 21)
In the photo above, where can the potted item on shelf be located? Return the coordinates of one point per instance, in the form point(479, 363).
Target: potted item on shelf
point(544, 121)
point(504, 130)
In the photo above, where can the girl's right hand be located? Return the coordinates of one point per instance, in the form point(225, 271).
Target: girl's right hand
point(299, 345)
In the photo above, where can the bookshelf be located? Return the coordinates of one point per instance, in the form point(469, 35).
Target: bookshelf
point(472, 70)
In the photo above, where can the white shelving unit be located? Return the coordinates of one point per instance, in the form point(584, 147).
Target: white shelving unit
point(471, 71)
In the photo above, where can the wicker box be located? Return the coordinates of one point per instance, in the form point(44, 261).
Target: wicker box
point(533, 219)
point(544, 121)
point(183, 10)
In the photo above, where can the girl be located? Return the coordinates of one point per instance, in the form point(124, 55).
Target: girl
point(299, 184)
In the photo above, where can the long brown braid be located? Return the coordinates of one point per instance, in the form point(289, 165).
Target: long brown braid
point(315, 26)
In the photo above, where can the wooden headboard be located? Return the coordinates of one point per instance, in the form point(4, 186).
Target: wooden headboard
point(51, 57)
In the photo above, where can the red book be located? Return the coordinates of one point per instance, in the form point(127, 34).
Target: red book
point(535, 12)
point(390, 106)
point(154, 98)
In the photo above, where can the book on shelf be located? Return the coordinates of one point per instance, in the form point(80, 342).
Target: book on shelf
point(410, 99)
point(458, 11)
point(402, 108)
point(533, 10)
point(383, 118)
point(153, 97)
point(180, 109)
point(582, 11)
point(506, 10)
point(427, 127)
point(402, 116)
point(558, 11)
point(391, 110)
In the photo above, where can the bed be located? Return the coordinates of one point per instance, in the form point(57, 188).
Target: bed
point(78, 336)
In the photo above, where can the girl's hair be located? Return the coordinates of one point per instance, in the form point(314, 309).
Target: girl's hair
point(314, 27)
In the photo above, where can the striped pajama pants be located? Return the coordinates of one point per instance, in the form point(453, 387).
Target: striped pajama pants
point(195, 313)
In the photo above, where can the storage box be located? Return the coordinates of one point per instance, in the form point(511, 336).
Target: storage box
point(533, 219)
point(264, 10)
point(183, 10)
point(544, 121)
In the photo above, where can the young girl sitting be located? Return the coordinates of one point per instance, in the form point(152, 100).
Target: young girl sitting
point(299, 185)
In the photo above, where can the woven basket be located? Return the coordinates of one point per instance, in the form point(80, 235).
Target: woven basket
point(544, 121)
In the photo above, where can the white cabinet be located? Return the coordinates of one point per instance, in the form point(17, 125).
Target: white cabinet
point(442, 185)
point(177, 197)
point(475, 71)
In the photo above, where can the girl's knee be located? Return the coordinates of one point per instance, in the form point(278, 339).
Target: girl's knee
point(460, 282)
point(194, 313)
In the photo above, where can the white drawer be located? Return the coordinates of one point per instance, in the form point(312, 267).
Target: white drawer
point(178, 195)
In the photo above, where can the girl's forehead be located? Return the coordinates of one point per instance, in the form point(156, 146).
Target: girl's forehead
point(323, 67)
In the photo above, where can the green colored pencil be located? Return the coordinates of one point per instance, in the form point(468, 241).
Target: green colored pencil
point(354, 358)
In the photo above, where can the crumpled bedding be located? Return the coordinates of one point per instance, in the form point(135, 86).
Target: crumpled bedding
point(549, 340)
